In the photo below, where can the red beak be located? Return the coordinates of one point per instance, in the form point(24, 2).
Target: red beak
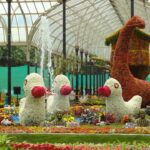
point(65, 90)
point(104, 91)
point(38, 91)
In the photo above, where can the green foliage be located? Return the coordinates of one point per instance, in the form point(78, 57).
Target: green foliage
point(4, 141)
point(94, 102)
point(98, 62)
point(61, 67)
point(65, 65)
point(18, 56)
point(32, 55)
point(3, 56)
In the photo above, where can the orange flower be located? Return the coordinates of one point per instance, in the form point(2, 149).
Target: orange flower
point(125, 119)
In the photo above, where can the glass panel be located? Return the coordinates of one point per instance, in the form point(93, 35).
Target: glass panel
point(5, 6)
point(39, 7)
point(2, 34)
point(22, 34)
point(14, 21)
point(18, 11)
point(15, 36)
point(34, 17)
point(54, 3)
point(14, 6)
point(30, 15)
point(46, 5)
point(20, 20)
point(31, 7)
point(28, 20)
point(2, 10)
point(24, 7)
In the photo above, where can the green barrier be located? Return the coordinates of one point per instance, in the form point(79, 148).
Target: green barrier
point(19, 73)
point(148, 78)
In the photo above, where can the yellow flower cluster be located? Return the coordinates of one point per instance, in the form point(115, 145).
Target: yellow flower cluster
point(68, 119)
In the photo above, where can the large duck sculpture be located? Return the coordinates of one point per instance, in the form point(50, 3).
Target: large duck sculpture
point(120, 69)
point(115, 103)
point(32, 107)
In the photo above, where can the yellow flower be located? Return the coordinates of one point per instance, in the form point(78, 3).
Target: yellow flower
point(69, 119)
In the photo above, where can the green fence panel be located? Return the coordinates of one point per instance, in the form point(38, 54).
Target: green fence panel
point(148, 78)
point(19, 73)
point(3, 79)
point(17, 78)
point(32, 69)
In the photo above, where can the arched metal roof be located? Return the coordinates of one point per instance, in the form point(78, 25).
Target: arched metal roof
point(24, 14)
point(88, 22)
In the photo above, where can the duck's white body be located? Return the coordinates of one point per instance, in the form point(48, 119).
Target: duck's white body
point(32, 108)
point(115, 102)
point(57, 101)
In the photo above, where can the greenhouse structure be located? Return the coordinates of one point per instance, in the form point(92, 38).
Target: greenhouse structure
point(75, 74)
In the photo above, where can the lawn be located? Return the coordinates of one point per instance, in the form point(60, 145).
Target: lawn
point(79, 138)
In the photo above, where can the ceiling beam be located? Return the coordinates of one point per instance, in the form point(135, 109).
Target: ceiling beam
point(117, 11)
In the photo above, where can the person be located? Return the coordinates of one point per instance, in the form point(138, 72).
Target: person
point(6, 101)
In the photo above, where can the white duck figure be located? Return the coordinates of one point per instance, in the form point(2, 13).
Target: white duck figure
point(59, 101)
point(115, 102)
point(32, 107)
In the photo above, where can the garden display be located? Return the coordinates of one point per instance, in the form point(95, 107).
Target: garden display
point(80, 118)
point(86, 146)
point(59, 101)
point(115, 102)
point(120, 68)
point(32, 107)
point(63, 86)
point(7, 143)
point(44, 111)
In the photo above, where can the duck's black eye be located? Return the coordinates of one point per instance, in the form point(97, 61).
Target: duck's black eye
point(116, 85)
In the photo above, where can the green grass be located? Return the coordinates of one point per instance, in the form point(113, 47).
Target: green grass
point(67, 138)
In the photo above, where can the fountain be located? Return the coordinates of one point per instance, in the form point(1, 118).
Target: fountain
point(45, 44)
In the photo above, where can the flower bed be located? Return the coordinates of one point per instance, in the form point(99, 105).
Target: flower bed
point(82, 130)
point(47, 146)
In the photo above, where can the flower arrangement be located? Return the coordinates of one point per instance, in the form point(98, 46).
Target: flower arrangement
point(9, 116)
point(89, 117)
point(68, 118)
point(70, 121)
point(130, 125)
point(110, 117)
point(85, 146)
point(80, 129)
point(125, 119)
point(76, 110)
point(72, 124)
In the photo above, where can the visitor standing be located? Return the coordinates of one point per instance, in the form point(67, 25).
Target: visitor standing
point(6, 102)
